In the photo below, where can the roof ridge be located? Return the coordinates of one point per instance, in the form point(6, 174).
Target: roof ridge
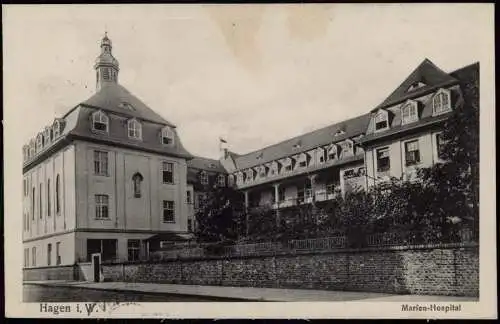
point(302, 135)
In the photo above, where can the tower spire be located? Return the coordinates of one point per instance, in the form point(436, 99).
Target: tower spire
point(106, 65)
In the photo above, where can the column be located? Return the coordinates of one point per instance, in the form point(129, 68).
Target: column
point(276, 201)
point(246, 212)
point(312, 179)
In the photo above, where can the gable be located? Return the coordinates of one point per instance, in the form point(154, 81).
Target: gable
point(425, 77)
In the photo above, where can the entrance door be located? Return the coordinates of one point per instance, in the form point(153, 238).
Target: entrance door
point(96, 265)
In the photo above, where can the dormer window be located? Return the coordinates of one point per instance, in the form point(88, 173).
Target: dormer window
point(332, 153)
point(262, 171)
point(249, 175)
point(100, 121)
point(320, 155)
point(381, 120)
point(273, 168)
point(32, 149)
point(134, 129)
point(409, 112)
point(416, 85)
point(302, 161)
point(286, 165)
point(239, 177)
point(441, 102)
point(347, 148)
point(167, 136)
point(56, 129)
point(39, 142)
point(47, 135)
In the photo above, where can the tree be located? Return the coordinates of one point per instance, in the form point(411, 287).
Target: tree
point(221, 218)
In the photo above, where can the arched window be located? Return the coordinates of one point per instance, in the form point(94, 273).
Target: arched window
point(58, 192)
point(167, 136)
point(39, 142)
point(409, 112)
point(134, 129)
point(56, 128)
point(137, 179)
point(100, 121)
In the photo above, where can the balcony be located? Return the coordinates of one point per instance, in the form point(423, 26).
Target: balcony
point(304, 200)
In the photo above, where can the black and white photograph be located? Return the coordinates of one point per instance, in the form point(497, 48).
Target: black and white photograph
point(334, 156)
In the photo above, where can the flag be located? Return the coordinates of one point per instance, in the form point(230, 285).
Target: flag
point(222, 140)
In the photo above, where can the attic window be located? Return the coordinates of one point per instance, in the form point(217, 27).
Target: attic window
point(441, 102)
point(212, 166)
point(416, 85)
point(409, 113)
point(381, 121)
point(297, 145)
point(126, 105)
point(100, 121)
point(56, 128)
point(167, 136)
point(134, 129)
point(339, 132)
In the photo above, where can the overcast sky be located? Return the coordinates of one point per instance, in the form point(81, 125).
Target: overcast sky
point(253, 74)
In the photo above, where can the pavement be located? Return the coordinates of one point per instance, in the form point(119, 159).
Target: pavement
point(250, 293)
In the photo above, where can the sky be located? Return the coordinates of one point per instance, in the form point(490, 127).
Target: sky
point(252, 74)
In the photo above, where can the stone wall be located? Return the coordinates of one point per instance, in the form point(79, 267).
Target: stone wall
point(435, 270)
point(69, 272)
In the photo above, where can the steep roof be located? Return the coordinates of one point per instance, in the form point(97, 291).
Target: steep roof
point(207, 164)
point(427, 74)
point(350, 128)
point(115, 98)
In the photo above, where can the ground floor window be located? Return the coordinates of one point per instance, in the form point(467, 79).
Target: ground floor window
point(33, 256)
point(133, 247)
point(58, 253)
point(49, 254)
point(26, 257)
point(106, 247)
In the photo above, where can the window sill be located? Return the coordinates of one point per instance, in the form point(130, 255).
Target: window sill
point(101, 175)
point(434, 114)
point(103, 219)
point(100, 132)
point(168, 222)
point(168, 183)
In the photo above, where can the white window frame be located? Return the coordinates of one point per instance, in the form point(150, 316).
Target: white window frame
point(39, 142)
point(300, 159)
point(221, 180)
point(167, 133)
point(204, 177)
point(380, 116)
point(444, 108)
point(168, 206)
point(436, 139)
point(134, 129)
point(332, 149)
point(347, 147)
point(249, 175)
point(101, 118)
point(387, 148)
point(405, 145)
point(101, 163)
point(134, 249)
point(320, 153)
point(56, 129)
point(167, 166)
point(101, 206)
point(412, 108)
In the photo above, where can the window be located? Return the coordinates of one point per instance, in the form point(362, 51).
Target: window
point(167, 172)
point(40, 202)
point(440, 145)
point(48, 198)
point(58, 193)
point(288, 167)
point(190, 225)
point(57, 128)
point(33, 204)
point(49, 254)
point(202, 201)
point(168, 211)
point(100, 121)
point(134, 129)
point(133, 247)
point(58, 253)
point(101, 207)
point(100, 163)
point(347, 148)
point(441, 102)
point(221, 180)
point(381, 121)
point(320, 155)
point(106, 74)
point(203, 178)
point(24, 187)
point(281, 194)
point(412, 153)
point(189, 198)
point(330, 189)
point(26, 257)
point(383, 160)
point(137, 179)
point(39, 142)
point(409, 113)
point(33, 256)
point(106, 247)
point(167, 136)
point(332, 152)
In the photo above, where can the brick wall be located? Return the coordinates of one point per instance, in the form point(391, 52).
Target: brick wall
point(432, 270)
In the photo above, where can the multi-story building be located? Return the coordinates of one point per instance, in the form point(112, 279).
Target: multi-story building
point(104, 178)
point(392, 140)
point(112, 177)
